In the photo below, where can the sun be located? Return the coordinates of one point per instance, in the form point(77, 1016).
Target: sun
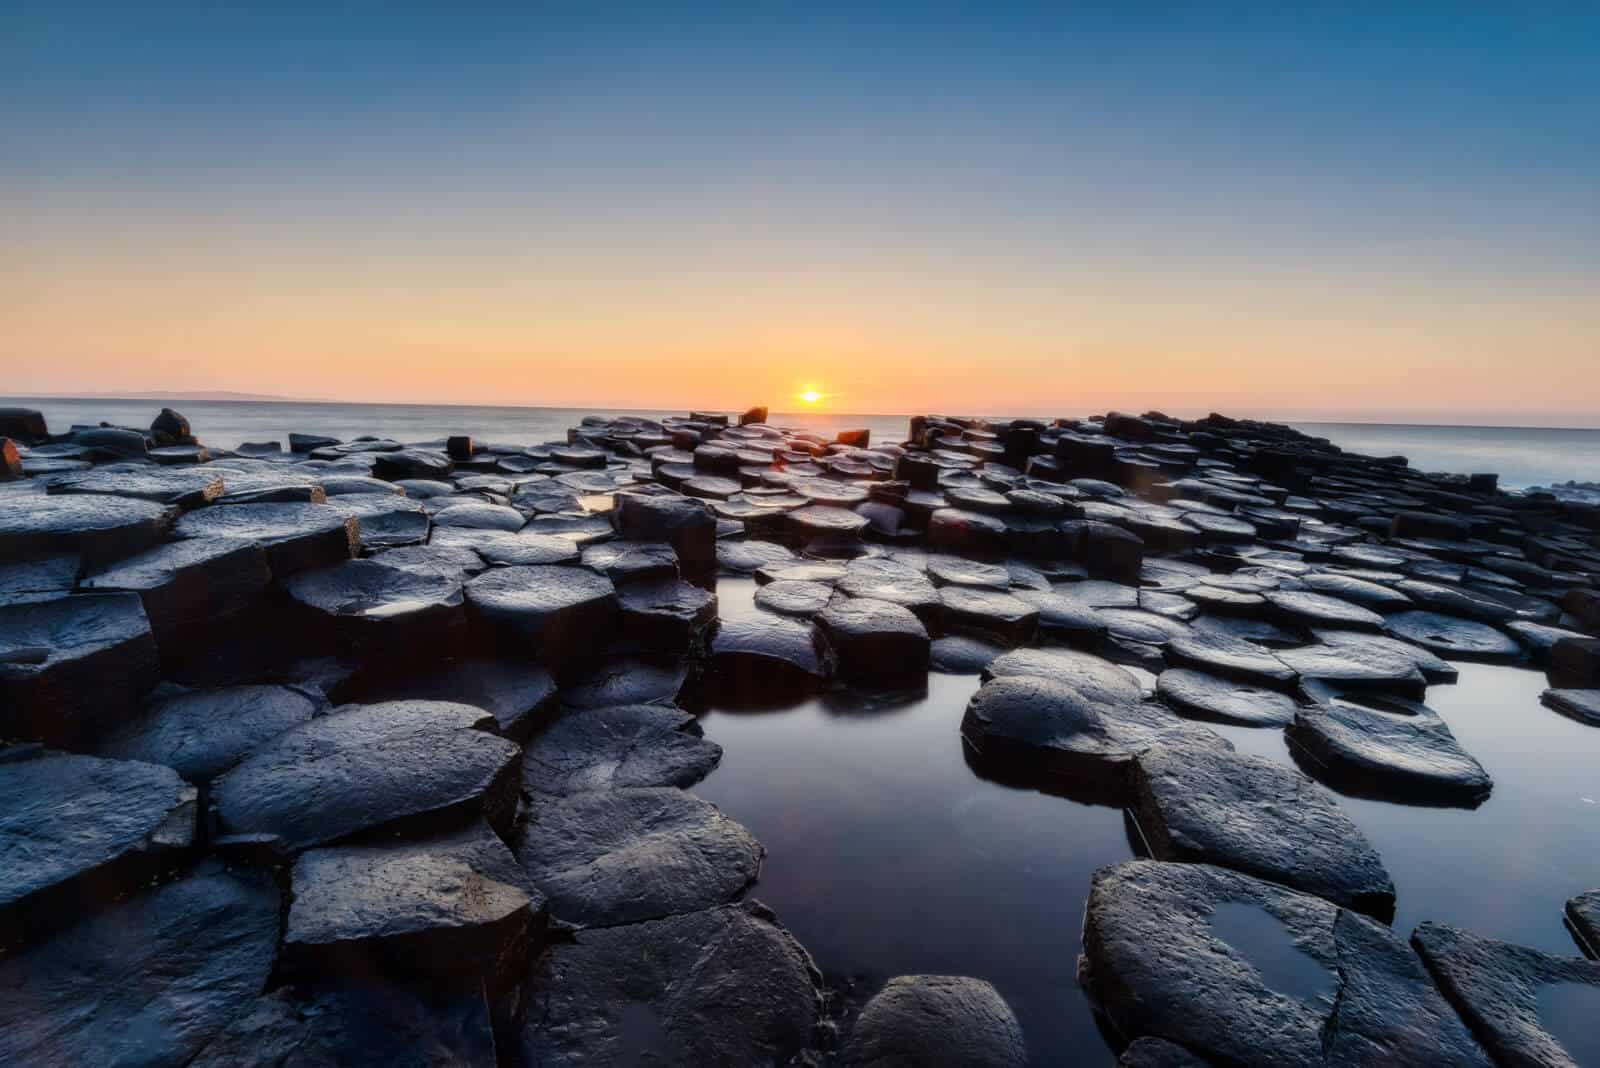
point(810, 396)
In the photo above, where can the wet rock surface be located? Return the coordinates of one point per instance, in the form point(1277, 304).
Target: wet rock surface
point(202, 733)
point(936, 1020)
point(520, 696)
point(618, 747)
point(1583, 919)
point(616, 856)
point(1209, 697)
point(1390, 749)
point(1453, 637)
point(1158, 966)
point(544, 611)
point(97, 527)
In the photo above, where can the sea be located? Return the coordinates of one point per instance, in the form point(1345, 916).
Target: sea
point(1521, 456)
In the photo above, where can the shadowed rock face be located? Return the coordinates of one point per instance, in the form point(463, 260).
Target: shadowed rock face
point(721, 986)
point(72, 667)
point(618, 747)
point(1158, 1053)
point(146, 982)
point(931, 1021)
point(1581, 705)
point(1500, 989)
point(957, 655)
point(77, 832)
point(44, 579)
point(203, 733)
point(402, 766)
point(988, 614)
point(875, 642)
point(451, 908)
point(1583, 919)
point(1157, 963)
point(1389, 749)
point(1206, 804)
point(520, 696)
point(764, 660)
point(615, 856)
point(666, 614)
point(187, 586)
point(1368, 668)
point(328, 1026)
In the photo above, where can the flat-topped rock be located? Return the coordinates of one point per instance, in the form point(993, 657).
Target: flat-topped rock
point(399, 766)
point(989, 614)
point(615, 856)
point(1373, 595)
point(1527, 1007)
point(480, 515)
point(1454, 637)
point(1197, 695)
point(410, 463)
point(1583, 920)
point(947, 570)
point(684, 522)
point(617, 747)
point(96, 527)
point(72, 667)
point(1371, 667)
point(549, 612)
point(385, 519)
point(450, 908)
point(958, 655)
point(519, 695)
point(669, 615)
point(77, 832)
point(296, 536)
point(1202, 803)
point(789, 597)
point(721, 986)
point(749, 556)
point(202, 733)
point(189, 586)
point(326, 1026)
point(1362, 646)
point(632, 561)
point(875, 642)
point(896, 583)
point(1218, 653)
point(936, 1021)
point(45, 579)
point(188, 488)
point(1064, 619)
point(525, 548)
point(1097, 680)
point(1387, 748)
point(1581, 705)
point(374, 609)
point(1307, 608)
point(1242, 971)
point(145, 982)
point(763, 659)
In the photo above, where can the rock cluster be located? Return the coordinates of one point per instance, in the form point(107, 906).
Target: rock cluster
point(365, 746)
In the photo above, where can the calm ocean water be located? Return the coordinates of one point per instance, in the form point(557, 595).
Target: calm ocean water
point(1522, 456)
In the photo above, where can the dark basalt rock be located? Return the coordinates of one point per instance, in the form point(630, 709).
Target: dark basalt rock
point(1109, 552)
point(24, 424)
point(1451, 636)
point(1157, 957)
point(687, 524)
point(410, 463)
point(1099, 681)
point(112, 443)
point(447, 559)
point(757, 661)
point(295, 536)
point(374, 609)
point(875, 643)
point(400, 766)
point(1363, 646)
point(1218, 653)
point(666, 614)
point(1581, 705)
point(38, 580)
point(386, 520)
point(799, 599)
point(96, 527)
point(936, 1021)
point(608, 857)
point(1028, 727)
point(632, 561)
point(187, 587)
point(480, 515)
point(519, 695)
point(523, 549)
point(956, 571)
point(1065, 619)
point(896, 583)
point(329, 1027)
point(958, 530)
point(455, 908)
point(1583, 920)
point(629, 681)
point(307, 442)
point(78, 832)
point(360, 486)
point(617, 747)
point(958, 655)
point(553, 613)
point(1224, 600)
point(988, 614)
point(750, 556)
point(1308, 609)
point(1387, 748)
point(1135, 625)
point(1197, 695)
point(171, 428)
point(147, 982)
point(1575, 663)
point(73, 666)
point(1498, 988)
point(1204, 804)
point(202, 733)
point(1370, 668)
point(186, 488)
point(1371, 595)
point(724, 986)
point(1158, 1053)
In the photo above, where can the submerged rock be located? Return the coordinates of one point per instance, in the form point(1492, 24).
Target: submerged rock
point(614, 856)
point(1202, 803)
point(617, 747)
point(400, 766)
point(1390, 749)
point(146, 982)
point(202, 733)
point(1304, 983)
point(721, 986)
point(936, 1021)
point(1498, 988)
point(73, 667)
point(77, 832)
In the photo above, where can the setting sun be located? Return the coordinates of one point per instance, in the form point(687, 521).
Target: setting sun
point(810, 396)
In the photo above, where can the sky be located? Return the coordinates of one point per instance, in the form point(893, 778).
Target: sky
point(1354, 210)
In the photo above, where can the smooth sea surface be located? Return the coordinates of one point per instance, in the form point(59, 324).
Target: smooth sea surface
point(888, 854)
point(1522, 456)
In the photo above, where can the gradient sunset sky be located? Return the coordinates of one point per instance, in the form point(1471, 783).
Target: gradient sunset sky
point(1393, 211)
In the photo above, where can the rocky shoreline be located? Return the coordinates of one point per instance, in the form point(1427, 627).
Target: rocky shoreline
point(379, 752)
